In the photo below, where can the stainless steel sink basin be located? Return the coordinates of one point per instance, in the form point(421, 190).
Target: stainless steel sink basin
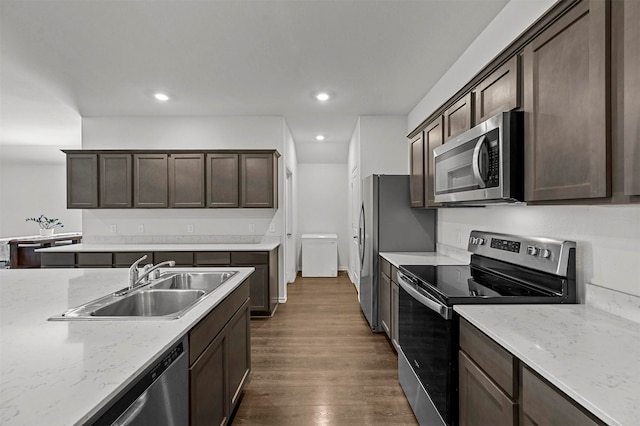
point(206, 281)
point(167, 297)
point(150, 303)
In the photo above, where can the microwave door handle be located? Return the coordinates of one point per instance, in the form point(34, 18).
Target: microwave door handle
point(480, 154)
point(442, 310)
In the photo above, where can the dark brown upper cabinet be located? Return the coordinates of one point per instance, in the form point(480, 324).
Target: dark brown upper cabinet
point(631, 72)
point(566, 102)
point(222, 180)
point(151, 180)
point(458, 117)
point(186, 180)
point(499, 92)
point(172, 178)
point(416, 174)
point(258, 180)
point(433, 137)
point(115, 181)
point(82, 181)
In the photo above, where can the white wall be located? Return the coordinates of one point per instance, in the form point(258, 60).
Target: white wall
point(31, 185)
point(322, 205)
point(608, 237)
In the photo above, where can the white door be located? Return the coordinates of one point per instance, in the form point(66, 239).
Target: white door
point(290, 239)
point(354, 212)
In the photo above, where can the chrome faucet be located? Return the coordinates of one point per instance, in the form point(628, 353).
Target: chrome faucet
point(137, 276)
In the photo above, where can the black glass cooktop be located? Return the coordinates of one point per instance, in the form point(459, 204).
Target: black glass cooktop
point(491, 282)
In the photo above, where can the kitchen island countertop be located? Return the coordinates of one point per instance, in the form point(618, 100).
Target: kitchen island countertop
point(64, 372)
point(589, 354)
point(76, 248)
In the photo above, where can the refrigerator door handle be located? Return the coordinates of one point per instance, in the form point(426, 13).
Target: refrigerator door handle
point(362, 239)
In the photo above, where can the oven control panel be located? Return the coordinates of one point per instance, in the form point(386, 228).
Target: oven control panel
point(543, 254)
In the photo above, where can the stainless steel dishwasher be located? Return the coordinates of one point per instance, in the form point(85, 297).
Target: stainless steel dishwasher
point(160, 396)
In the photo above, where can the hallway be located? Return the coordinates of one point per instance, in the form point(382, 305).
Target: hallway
point(316, 362)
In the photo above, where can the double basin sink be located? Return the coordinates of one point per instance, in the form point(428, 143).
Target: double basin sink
point(167, 297)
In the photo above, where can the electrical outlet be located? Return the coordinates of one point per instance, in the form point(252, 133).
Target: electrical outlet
point(113, 229)
point(252, 227)
point(272, 227)
point(190, 227)
point(140, 228)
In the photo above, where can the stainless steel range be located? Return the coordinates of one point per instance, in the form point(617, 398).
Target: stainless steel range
point(503, 269)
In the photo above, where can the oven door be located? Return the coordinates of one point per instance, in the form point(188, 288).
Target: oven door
point(427, 360)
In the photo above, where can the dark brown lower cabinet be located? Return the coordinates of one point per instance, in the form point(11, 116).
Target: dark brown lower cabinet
point(220, 360)
point(264, 280)
point(395, 307)
point(384, 291)
point(482, 402)
point(496, 388)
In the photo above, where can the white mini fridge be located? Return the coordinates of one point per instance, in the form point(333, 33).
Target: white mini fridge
point(319, 255)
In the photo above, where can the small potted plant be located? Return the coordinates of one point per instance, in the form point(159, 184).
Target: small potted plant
point(46, 225)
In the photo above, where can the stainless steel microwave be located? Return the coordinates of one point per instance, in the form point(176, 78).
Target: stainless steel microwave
point(483, 165)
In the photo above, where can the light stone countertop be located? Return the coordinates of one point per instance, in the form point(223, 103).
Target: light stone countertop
point(420, 258)
point(589, 354)
point(74, 248)
point(63, 372)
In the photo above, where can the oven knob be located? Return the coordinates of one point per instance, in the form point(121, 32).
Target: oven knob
point(532, 250)
point(473, 240)
point(545, 254)
point(480, 241)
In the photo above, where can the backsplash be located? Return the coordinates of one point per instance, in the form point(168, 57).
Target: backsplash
point(607, 237)
point(181, 239)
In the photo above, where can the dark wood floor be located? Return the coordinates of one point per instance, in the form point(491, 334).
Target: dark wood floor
point(316, 362)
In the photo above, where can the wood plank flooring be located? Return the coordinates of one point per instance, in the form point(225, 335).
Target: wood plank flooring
point(316, 362)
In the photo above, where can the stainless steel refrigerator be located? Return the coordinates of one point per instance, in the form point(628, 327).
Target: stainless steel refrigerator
point(388, 224)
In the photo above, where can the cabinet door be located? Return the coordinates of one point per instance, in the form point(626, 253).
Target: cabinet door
point(395, 307)
point(631, 98)
point(566, 102)
point(222, 180)
point(186, 180)
point(115, 181)
point(384, 292)
point(257, 180)
point(259, 282)
point(151, 180)
point(239, 346)
point(458, 118)
point(94, 260)
point(82, 181)
point(542, 404)
point(481, 401)
point(208, 385)
point(498, 92)
point(182, 258)
point(416, 176)
point(433, 136)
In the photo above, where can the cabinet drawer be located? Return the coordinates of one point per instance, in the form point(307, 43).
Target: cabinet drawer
point(543, 404)
point(57, 260)
point(209, 327)
point(182, 258)
point(496, 362)
point(127, 258)
point(249, 258)
point(94, 259)
point(385, 267)
point(394, 274)
point(213, 258)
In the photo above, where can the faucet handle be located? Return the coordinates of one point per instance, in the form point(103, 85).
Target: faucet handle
point(135, 264)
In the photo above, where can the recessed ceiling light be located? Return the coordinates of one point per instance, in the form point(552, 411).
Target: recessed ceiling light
point(323, 96)
point(320, 137)
point(161, 97)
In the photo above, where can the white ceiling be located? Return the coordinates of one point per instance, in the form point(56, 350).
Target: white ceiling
point(63, 59)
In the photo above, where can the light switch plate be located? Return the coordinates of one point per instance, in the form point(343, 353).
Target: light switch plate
point(140, 228)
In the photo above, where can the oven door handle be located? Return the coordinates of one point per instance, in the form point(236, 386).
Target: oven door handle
point(442, 310)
